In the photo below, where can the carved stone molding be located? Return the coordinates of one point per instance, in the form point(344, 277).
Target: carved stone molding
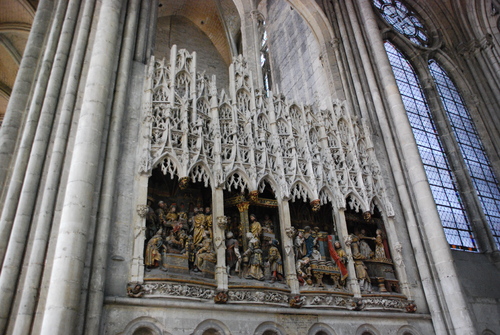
point(178, 290)
point(258, 297)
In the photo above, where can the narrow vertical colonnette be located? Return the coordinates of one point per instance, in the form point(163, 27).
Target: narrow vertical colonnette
point(23, 86)
point(343, 233)
point(283, 204)
point(426, 277)
point(66, 277)
point(351, 63)
point(219, 238)
point(219, 226)
point(438, 249)
point(43, 222)
point(13, 189)
point(99, 259)
point(22, 220)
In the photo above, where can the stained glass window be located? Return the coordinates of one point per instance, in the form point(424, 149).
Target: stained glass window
point(403, 19)
point(473, 152)
point(441, 180)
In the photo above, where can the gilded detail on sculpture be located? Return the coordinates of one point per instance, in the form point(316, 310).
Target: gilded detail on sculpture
point(263, 154)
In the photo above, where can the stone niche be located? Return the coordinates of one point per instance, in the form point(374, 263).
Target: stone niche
point(370, 251)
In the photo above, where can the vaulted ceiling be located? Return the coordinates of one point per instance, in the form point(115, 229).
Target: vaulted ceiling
point(211, 16)
point(16, 17)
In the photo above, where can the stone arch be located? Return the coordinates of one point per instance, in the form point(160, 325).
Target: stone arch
point(202, 165)
point(313, 59)
point(367, 329)
point(359, 202)
point(321, 329)
point(407, 330)
point(172, 159)
point(211, 327)
point(310, 194)
point(316, 19)
point(327, 192)
point(243, 175)
point(377, 202)
point(274, 185)
point(270, 328)
point(144, 325)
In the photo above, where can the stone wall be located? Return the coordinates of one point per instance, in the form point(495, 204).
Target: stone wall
point(479, 281)
point(295, 55)
point(183, 33)
point(162, 317)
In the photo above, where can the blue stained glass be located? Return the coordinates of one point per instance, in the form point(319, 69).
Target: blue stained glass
point(476, 160)
point(403, 19)
point(449, 205)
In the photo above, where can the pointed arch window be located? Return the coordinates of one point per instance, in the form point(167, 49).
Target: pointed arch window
point(471, 147)
point(439, 174)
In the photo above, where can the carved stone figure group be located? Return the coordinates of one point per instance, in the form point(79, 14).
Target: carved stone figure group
point(173, 232)
point(317, 256)
point(363, 254)
point(261, 253)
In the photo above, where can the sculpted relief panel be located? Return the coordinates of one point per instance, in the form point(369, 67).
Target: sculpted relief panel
point(285, 174)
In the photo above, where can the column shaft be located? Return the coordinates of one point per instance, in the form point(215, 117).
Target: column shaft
point(219, 239)
point(43, 222)
point(437, 246)
point(13, 190)
point(25, 79)
point(287, 249)
point(399, 178)
point(100, 256)
point(63, 297)
point(22, 220)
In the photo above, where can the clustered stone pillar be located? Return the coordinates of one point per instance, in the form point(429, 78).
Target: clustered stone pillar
point(99, 261)
point(437, 247)
point(26, 76)
point(63, 297)
point(21, 159)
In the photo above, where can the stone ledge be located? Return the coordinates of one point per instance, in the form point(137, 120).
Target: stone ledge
point(211, 306)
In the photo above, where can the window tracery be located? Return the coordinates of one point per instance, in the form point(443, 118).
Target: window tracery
point(443, 185)
point(404, 20)
point(471, 146)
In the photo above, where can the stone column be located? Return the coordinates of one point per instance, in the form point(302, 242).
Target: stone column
point(21, 224)
point(288, 256)
point(100, 256)
point(397, 172)
point(23, 85)
point(63, 297)
point(437, 247)
point(351, 64)
point(43, 222)
point(343, 234)
point(219, 240)
point(32, 116)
